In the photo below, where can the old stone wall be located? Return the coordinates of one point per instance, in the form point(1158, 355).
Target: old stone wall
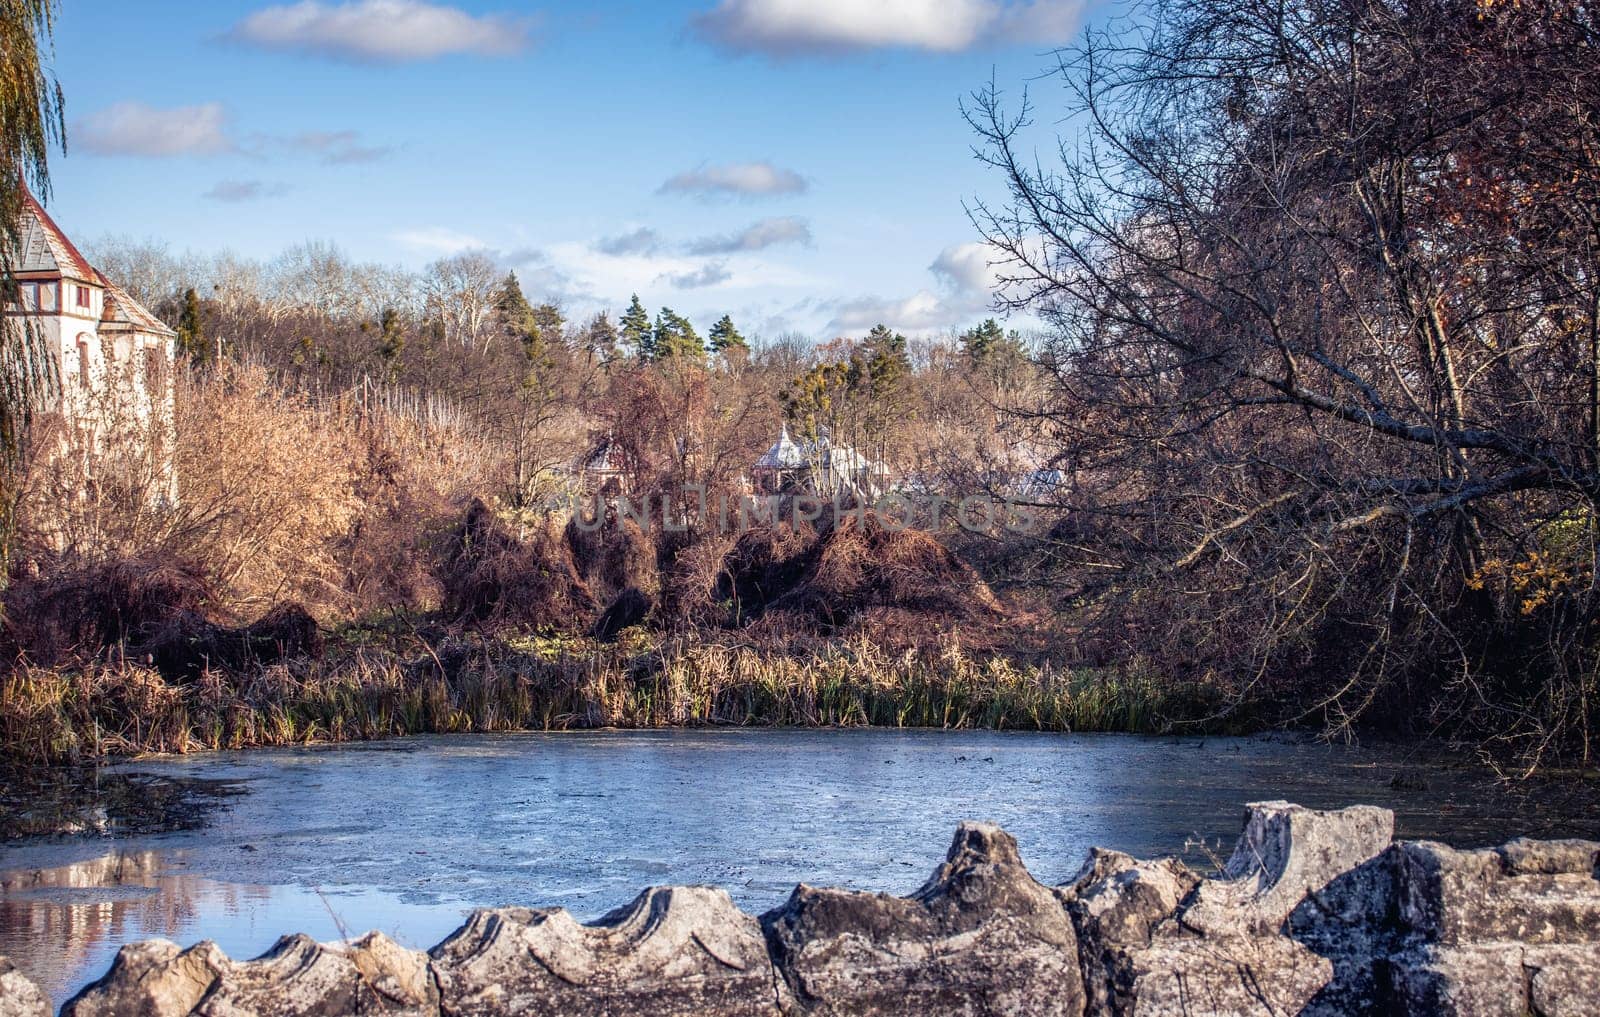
point(1315, 913)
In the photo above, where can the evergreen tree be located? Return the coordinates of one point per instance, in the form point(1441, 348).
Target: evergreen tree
point(515, 313)
point(547, 329)
point(882, 368)
point(977, 342)
point(675, 337)
point(192, 329)
point(724, 337)
point(537, 329)
point(880, 378)
point(636, 330)
point(391, 341)
point(600, 339)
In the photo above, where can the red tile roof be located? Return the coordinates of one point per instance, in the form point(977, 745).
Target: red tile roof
point(45, 248)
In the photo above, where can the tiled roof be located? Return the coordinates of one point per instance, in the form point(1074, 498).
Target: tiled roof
point(122, 309)
point(44, 248)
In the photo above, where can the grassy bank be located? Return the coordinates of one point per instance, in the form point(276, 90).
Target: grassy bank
point(366, 692)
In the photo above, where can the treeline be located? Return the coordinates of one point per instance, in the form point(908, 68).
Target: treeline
point(547, 391)
point(335, 421)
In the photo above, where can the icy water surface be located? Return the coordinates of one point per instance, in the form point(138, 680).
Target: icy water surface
point(407, 836)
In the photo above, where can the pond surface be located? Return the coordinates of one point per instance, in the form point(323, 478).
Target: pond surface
point(407, 836)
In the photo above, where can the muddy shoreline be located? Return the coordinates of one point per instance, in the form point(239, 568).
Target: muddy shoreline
point(94, 801)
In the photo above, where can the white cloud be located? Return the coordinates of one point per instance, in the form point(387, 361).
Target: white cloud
point(966, 269)
point(382, 31)
point(133, 128)
point(337, 148)
point(794, 27)
point(920, 312)
point(748, 179)
point(967, 285)
point(757, 236)
point(643, 240)
point(612, 278)
point(713, 274)
point(235, 191)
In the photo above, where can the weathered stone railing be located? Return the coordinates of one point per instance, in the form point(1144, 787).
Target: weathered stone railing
point(1315, 913)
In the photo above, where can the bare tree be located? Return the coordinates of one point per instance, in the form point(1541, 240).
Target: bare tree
point(460, 293)
point(1324, 280)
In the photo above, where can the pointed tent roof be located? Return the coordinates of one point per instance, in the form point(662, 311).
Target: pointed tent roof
point(783, 455)
point(44, 248)
point(606, 458)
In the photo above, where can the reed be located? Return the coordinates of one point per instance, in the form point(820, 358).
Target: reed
point(366, 692)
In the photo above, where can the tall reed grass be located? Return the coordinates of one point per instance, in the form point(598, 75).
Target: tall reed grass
point(124, 708)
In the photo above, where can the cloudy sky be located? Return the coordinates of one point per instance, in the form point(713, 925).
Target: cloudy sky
point(800, 164)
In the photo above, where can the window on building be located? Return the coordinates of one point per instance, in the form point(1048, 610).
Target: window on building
point(83, 362)
point(47, 296)
point(83, 295)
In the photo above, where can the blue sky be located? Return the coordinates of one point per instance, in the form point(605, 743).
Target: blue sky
point(800, 164)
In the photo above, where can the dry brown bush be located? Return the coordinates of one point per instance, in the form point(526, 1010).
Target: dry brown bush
point(862, 562)
point(187, 646)
point(265, 489)
point(762, 564)
point(411, 483)
point(498, 576)
point(279, 497)
point(68, 609)
point(614, 556)
point(263, 485)
point(692, 585)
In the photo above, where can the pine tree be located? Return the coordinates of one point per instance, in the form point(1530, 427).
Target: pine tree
point(675, 337)
point(636, 330)
point(880, 380)
point(600, 339)
point(391, 341)
point(515, 313)
point(725, 338)
point(192, 330)
point(980, 340)
point(992, 353)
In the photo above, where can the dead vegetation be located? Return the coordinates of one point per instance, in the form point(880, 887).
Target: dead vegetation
point(612, 555)
point(467, 684)
point(188, 646)
point(864, 562)
point(497, 577)
point(57, 611)
point(803, 580)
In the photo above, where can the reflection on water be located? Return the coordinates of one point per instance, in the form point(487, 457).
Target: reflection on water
point(62, 926)
point(406, 836)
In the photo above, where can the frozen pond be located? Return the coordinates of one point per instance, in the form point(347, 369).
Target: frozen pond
point(407, 836)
